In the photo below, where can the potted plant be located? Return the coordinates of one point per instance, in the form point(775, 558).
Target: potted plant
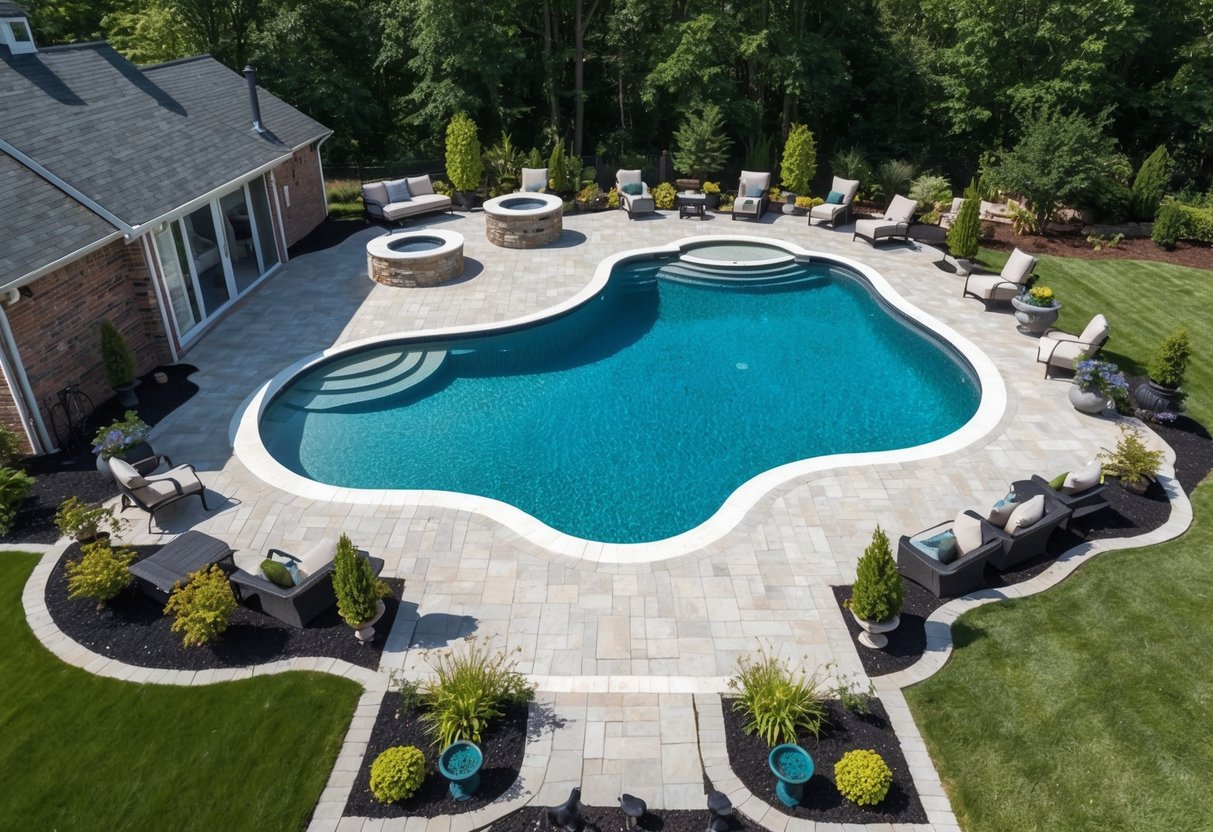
point(798, 165)
point(464, 166)
point(126, 439)
point(964, 235)
point(1096, 384)
point(877, 597)
point(711, 194)
point(87, 522)
point(119, 364)
point(1167, 368)
point(1036, 310)
point(1131, 462)
point(359, 593)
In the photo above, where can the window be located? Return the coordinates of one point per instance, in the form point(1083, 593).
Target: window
point(15, 32)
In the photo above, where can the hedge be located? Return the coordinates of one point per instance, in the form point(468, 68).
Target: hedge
point(1177, 221)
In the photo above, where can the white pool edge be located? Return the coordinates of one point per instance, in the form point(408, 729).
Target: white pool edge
point(245, 436)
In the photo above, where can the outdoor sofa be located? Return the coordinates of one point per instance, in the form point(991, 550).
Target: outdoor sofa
point(392, 200)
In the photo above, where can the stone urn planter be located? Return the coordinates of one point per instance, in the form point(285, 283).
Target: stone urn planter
point(466, 199)
point(1135, 487)
point(964, 266)
point(792, 767)
point(132, 455)
point(1034, 320)
point(460, 764)
point(126, 394)
point(873, 634)
point(365, 631)
point(1087, 401)
point(1158, 398)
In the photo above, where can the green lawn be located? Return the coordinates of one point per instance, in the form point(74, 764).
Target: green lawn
point(80, 752)
point(1089, 707)
point(1143, 302)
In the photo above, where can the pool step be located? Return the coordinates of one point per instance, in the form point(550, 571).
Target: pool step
point(784, 273)
point(326, 393)
point(362, 375)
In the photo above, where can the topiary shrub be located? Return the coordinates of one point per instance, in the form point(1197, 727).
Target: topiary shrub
point(202, 607)
point(799, 160)
point(100, 573)
point(464, 165)
point(701, 146)
point(1150, 184)
point(964, 236)
point(470, 686)
point(397, 773)
point(664, 195)
point(15, 486)
point(863, 777)
point(355, 585)
point(1169, 364)
point(779, 704)
point(116, 356)
point(1131, 461)
point(877, 594)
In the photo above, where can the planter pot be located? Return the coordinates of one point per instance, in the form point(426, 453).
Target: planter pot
point(466, 199)
point(126, 394)
point(84, 539)
point(1034, 320)
point(1156, 398)
point(365, 631)
point(460, 764)
point(1135, 487)
point(132, 455)
point(792, 767)
point(711, 201)
point(873, 634)
point(964, 266)
point(789, 202)
point(1087, 401)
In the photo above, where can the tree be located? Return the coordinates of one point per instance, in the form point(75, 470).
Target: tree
point(965, 233)
point(1059, 157)
point(464, 165)
point(1151, 184)
point(799, 160)
point(150, 34)
point(701, 145)
point(877, 594)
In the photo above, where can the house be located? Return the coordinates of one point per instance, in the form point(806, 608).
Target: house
point(155, 197)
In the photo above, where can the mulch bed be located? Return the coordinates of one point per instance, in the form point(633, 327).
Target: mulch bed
point(132, 628)
point(62, 475)
point(1074, 244)
point(329, 233)
point(612, 819)
point(844, 731)
point(503, 746)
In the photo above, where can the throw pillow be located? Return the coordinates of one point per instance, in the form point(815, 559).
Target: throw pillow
point(632, 188)
point(940, 547)
point(420, 185)
point(752, 190)
point(1000, 513)
point(375, 192)
point(1026, 515)
point(398, 191)
point(1058, 481)
point(534, 187)
point(968, 533)
point(836, 198)
point(1084, 478)
point(277, 572)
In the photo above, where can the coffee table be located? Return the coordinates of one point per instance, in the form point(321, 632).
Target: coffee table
point(691, 205)
point(176, 560)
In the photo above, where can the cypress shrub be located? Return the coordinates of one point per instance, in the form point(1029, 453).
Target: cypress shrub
point(965, 233)
point(464, 165)
point(799, 160)
point(116, 356)
point(1151, 184)
point(701, 145)
point(1170, 363)
point(354, 584)
point(877, 594)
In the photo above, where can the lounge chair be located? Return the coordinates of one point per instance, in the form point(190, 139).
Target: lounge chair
point(919, 558)
point(895, 222)
point(397, 199)
point(753, 193)
point(949, 216)
point(296, 605)
point(836, 212)
point(1061, 349)
point(640, 202)
point(1007, 284)
point(154, 492)
point(1027, 533)
point(534, 180)
point(1082, 492)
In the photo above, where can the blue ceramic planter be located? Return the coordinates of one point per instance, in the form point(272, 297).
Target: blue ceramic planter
point(460, 764)
point(792, 767)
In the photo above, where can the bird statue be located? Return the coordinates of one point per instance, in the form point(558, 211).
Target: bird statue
point(567, 815)
point(633, 807)
point(720, 812)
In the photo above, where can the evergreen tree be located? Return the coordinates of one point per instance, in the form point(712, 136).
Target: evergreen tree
point(1151, 184)
point(965, 233)
point(701, 146)
point(877, 594)
point(799, 160)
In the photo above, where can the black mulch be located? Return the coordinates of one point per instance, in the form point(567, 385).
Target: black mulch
point(132, 628)
point(328, 234)
point(843, 732)
point(503, 746)
point(62, 475)
point(611, 819)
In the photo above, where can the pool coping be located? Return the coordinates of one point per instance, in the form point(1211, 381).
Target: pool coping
point(244, 434)
point(496, 206)
point(381, 246)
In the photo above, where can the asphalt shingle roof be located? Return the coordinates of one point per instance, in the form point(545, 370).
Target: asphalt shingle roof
point(140, 142)
point(11, 9)
point(41, 224)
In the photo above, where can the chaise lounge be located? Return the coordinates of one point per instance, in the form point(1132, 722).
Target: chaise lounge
point(393, 200)
point(837, 207)
point(753, 193)
point(895, 222)
point(634, 196)
point(1005, 285)
point(153, 492)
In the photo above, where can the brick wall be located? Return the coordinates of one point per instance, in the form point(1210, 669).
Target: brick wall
point(9, 417)
point(58, 330)
point(307, 209)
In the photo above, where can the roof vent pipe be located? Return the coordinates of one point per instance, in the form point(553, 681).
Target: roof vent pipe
point(250, 75)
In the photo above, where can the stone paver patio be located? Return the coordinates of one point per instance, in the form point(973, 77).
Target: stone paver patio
point(621, 651)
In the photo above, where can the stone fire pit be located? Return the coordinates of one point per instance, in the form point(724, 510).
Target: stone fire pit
point(415, 258)
point(525, 220)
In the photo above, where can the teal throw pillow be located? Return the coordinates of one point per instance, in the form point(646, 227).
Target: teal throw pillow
point(835, 198)
point(1058, 480)
point(752, 190)
point(940, 547)
point(277, 572)
point(632, 188)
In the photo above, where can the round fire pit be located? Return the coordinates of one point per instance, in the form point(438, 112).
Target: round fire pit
point(415, 258)
point(523, 220)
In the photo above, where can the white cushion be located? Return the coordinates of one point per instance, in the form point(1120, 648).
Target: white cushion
point(1019, 266)
point(1082, 479)
point(126, 474)
point(968, 533)
point(901, 209)
point(1001, 512)
point(1026, 515)
point(535, 180)
point(847, 187)
point(875, 229)
point(991, 287)
point(1064, 355)
point(826, 211)
point(623, 177)
point(1096, 331)
point(753, 183)
point(375, 192)
point(317, 557)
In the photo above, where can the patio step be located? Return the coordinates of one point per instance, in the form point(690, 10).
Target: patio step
point(344, 391)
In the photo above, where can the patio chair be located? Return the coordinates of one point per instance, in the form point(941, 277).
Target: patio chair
point(1061, 349)
point(630, 199)
point(949, 216)
point(534, 180)
point(295, 605)
point(895, 222)
point(1027, 533)
point(835, 212)
point(753, 193)
point(1081, 492)
point(948, 570)
point(154, 492)
point(1007, 284)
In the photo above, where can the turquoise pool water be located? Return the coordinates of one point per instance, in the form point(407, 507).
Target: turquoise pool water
point(634, 417)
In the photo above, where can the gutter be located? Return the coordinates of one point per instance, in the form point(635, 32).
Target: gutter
point(30, 277)
point(320, 164)
point(26, 392)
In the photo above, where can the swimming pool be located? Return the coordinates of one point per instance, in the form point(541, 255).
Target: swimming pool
point(634, 416)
